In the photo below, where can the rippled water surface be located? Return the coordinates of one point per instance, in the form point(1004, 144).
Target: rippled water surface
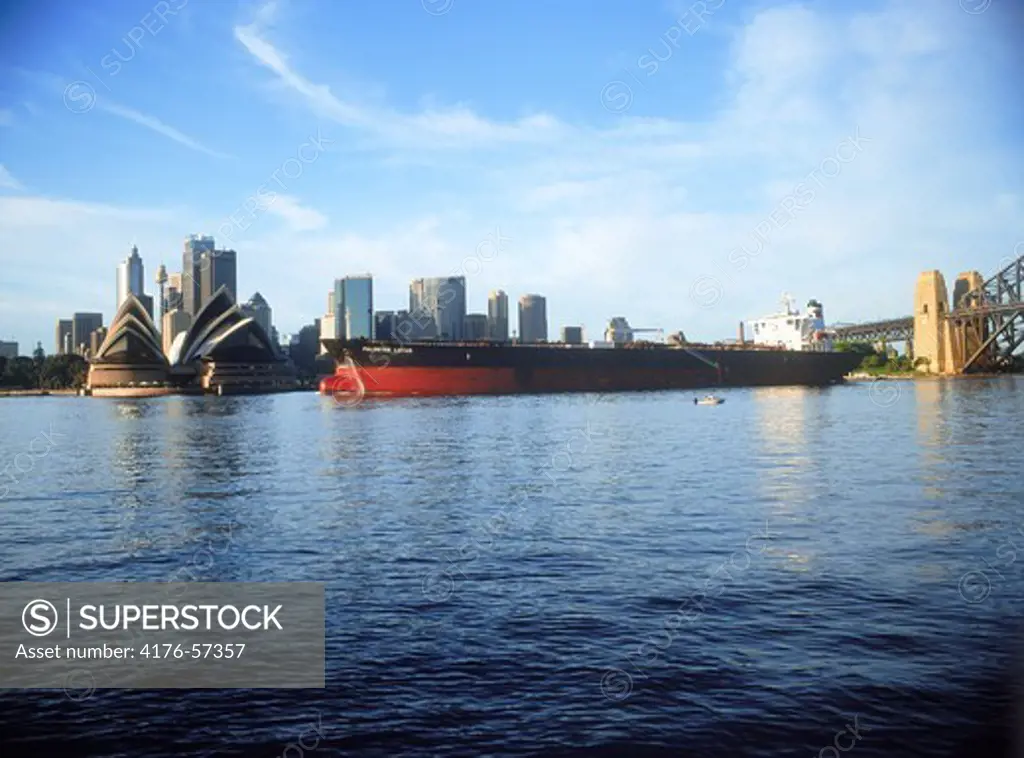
point(596, 574)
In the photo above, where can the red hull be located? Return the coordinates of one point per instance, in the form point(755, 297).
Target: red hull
point(397, 381)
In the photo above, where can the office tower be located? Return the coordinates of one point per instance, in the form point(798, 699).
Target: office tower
point(403, 329)
point(175, 321)
point(259, 309)
point(130, 277)
point(533, 319)
point(437, 306)
point(353, 307)
point(572, 335)
point(217, 268)
point(497, 316)
point(63, 336)
point(147, 303)
point(330, 303)
point(174, 294)
point(326, 331)
point(8, 350)
point(82, 325)
point(475, 327)
point(384, 326)
point(191, 271)
point(96, 339)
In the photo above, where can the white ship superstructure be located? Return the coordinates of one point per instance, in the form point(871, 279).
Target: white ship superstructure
point(791, 329)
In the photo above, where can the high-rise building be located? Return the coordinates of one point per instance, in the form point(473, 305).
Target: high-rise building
point(96, 339)
point(353, 307)
point(326, 331)
point(259, 309)
point(572, 335)
point(475, 327)
point(218, 268)
point(497, 316)
point(403, 328)
point(441, 300)
point(384, 326)
point(130, 277)
point(191, 271)
point(83, 325)
point(63, 336)
point(8, 350)
point(175, 296)
point(175, 322)
point(147, 303)
point(533, 319)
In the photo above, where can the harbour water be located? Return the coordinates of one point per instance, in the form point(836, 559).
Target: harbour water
point(796, 572)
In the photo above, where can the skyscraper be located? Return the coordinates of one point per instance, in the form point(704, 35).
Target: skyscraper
point(475, 327)
point(442, 301)
point(353, 307)
point(175, 296)
point(497, 316)
point(572, 335)
point(533, 319)
point(64, 343)
point(217, 268)
point(130, 277)
point(195, 246)
point(260, 310)
point(82, 326)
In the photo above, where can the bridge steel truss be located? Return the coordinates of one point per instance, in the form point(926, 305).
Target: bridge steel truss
point(989, 321)
point(890, 330)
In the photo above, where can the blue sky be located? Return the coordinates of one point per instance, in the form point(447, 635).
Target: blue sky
point(637, 157)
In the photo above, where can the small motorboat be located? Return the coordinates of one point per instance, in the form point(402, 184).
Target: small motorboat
point(709, 400)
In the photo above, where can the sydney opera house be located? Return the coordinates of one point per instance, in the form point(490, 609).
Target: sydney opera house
point(222, 352)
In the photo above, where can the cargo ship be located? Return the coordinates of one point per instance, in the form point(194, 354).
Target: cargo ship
point(788, 348)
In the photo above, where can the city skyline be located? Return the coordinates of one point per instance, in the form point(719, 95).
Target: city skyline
point(584, 174)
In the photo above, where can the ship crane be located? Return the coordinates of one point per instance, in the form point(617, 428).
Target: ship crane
point(619, 332)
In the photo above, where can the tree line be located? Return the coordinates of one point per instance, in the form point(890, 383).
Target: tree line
point(41, 371)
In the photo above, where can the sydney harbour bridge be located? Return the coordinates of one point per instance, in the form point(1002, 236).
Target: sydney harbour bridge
point(980, 331)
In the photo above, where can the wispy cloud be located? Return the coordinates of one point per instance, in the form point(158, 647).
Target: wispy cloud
point(7, 181)
point(456, 126)
point(150, 122)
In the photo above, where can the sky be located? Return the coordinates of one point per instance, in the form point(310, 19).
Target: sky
point(679, 163)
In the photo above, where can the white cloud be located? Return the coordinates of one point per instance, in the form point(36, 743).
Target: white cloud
point(298, 217)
